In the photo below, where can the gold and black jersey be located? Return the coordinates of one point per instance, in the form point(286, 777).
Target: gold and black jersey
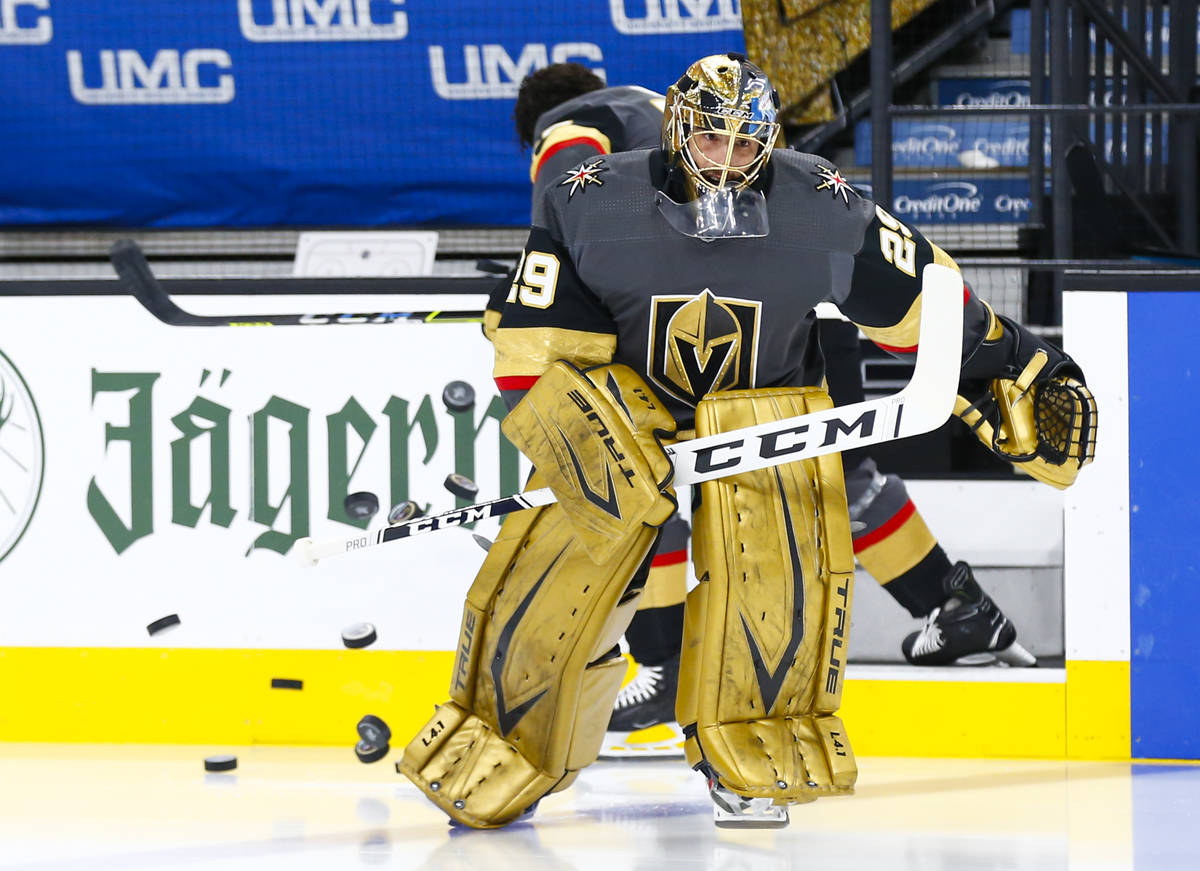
point(600, 122)
point(580, 129)
point(604, 278)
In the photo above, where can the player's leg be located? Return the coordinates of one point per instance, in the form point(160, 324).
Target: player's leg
point(895, 546)
point(538, 665)
point(766, 628)
point(643, 718)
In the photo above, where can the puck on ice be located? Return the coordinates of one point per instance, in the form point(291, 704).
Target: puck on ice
point(359, 635)
point(403, 511)
point(369, 752)
point(220, 763)
point(459, 396)
point(461, 485)
point(374, 731)
point(361, 506)
point(163, 623)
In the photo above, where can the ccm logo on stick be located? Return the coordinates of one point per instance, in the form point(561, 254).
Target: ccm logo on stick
point(782, 442)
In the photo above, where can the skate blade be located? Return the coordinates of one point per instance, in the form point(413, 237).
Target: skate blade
point(661, 741)
point(1016, 656)
point(757, 813)
point(1013, 656)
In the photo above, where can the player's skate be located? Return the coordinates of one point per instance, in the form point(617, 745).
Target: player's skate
point(732, 811)
point(968, 629)
point(643, 719)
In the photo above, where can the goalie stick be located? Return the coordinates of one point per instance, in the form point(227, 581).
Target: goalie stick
point(922, 405)
point(130, 263)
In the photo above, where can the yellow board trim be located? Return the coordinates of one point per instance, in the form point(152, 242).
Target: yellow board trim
point(219, 696)
point(1098, 711)
point(954, 718)
point(205, 696)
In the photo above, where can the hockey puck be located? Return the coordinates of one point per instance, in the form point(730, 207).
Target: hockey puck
point(403, 512)
point(368, 753)
point(461, 485)
point(374, 731)
point(220, 763)
point(163, 623)
point(359, 635)
point(459, 396)
point(361, 506)
point(286, 683)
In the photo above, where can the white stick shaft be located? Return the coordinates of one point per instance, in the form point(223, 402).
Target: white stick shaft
point(923, 405)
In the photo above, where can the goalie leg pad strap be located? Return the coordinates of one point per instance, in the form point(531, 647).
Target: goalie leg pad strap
point(536, 673)
point(596, 436)
point(766, 629)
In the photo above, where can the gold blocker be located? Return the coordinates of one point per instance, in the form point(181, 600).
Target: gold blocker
point(766, 629)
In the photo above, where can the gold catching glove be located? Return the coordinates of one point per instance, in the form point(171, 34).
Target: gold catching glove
point(1043, 422)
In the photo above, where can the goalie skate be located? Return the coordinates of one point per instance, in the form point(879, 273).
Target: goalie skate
point(967, 629)
point(732, 811)
point(643, 724)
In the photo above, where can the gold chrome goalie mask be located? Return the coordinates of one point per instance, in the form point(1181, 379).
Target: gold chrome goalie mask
point(719, 127)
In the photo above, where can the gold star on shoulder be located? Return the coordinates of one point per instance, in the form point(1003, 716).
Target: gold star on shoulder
point(833, 180)
point(583, 175)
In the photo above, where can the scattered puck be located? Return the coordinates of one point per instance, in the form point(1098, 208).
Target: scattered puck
point(374, 731)
point(163, 623)
point(368, 753)
point(220, 763)
point(481, 541)
point(361, 506)
point(403, 512)
point(461, 485)
point(286, 683)
point(359, 635)
point(459, 396)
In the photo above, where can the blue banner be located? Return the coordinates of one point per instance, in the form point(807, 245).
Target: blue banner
point(243, 113)
point(990, 199)
point(981, 142)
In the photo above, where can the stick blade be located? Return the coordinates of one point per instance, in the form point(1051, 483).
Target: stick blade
point(130, 264)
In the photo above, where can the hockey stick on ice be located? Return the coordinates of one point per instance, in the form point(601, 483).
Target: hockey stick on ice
point(923, 405)
point(130, 263)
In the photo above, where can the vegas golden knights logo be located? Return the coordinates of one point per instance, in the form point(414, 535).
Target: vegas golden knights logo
point(703, 343)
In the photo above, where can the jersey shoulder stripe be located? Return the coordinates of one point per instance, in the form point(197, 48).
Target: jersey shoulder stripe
point(566, 134)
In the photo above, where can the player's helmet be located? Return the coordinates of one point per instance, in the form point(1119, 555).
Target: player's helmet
point(719, 127)
point(727, 95)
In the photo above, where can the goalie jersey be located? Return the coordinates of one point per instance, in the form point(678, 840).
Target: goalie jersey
point(604, 278)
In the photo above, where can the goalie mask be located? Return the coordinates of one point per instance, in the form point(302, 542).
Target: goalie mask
point(719, 127)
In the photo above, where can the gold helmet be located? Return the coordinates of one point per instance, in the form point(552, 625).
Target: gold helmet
point(720, 124)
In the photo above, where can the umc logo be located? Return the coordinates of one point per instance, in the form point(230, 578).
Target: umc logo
point(320, 21)
point(25, 26)
point(492, 74)
point(170, 78)
point(675, 16)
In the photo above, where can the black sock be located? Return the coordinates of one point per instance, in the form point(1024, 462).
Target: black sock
point(656, 634)
point(920, 588)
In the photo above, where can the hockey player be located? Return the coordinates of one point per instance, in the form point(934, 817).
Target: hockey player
point(667, 292)
point(566, 115)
